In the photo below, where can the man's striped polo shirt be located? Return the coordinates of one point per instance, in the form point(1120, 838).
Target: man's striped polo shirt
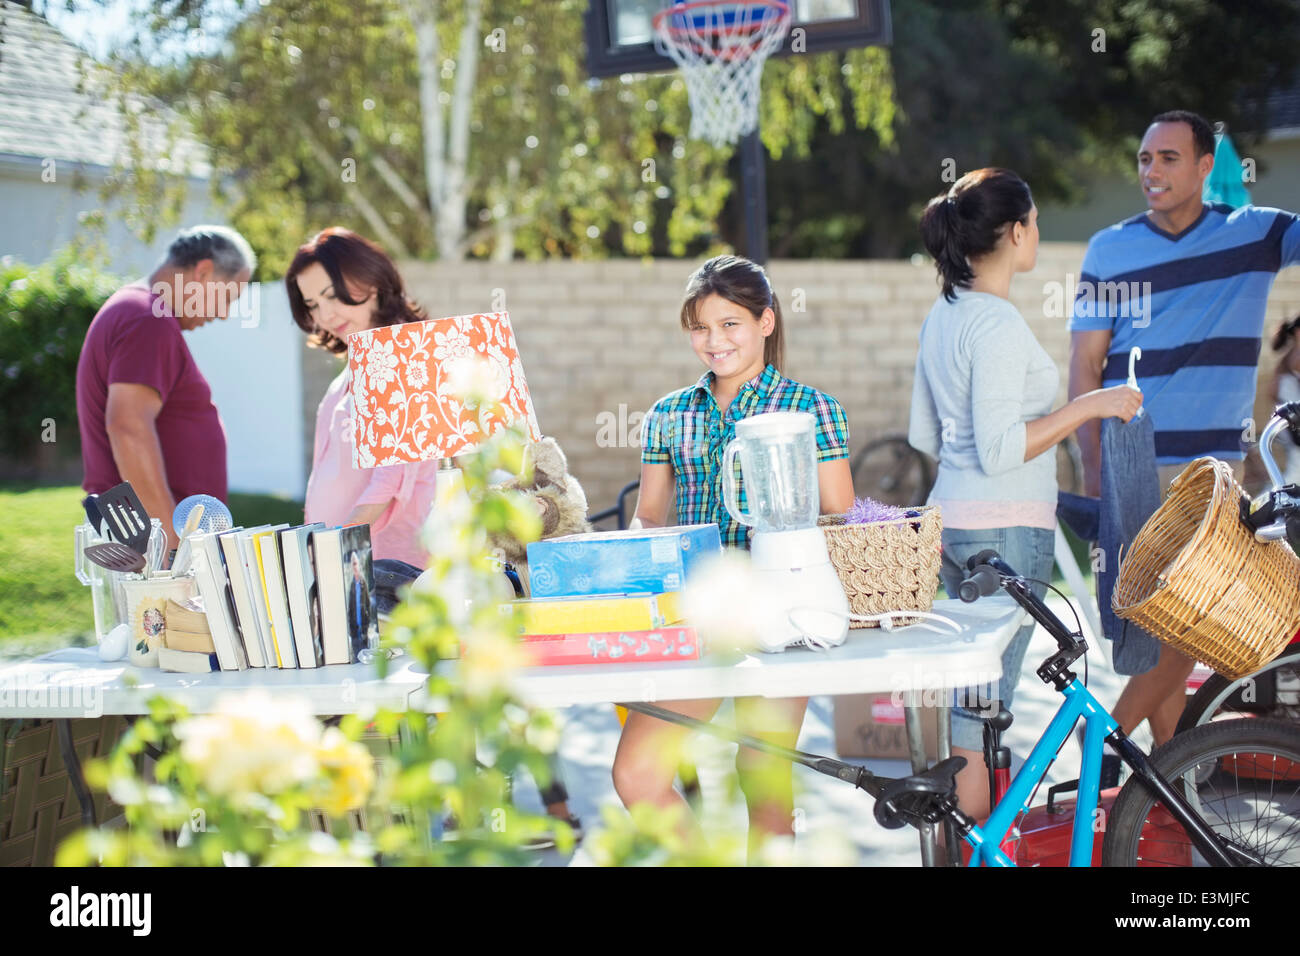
point(1194, 302)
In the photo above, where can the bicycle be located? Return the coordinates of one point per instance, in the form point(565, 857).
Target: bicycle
point(1153, 821)
point(891, 471)
point(1274, 689)
point(1166, 814)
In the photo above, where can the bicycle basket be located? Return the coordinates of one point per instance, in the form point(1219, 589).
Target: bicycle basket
point(886, 565)
point(1197, 579)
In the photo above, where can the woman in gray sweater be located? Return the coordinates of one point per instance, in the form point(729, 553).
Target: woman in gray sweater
point(982, 404)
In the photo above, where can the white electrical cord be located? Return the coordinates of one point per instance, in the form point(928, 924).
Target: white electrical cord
point(813, 638)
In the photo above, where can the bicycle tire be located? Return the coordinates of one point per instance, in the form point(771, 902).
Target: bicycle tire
point(1211, 699)
point(1255, 763)
point(892, 472)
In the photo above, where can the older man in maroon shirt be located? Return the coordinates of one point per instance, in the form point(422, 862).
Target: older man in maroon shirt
point(145, 410)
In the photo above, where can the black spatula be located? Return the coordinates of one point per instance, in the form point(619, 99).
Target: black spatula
point(125, 516)
point(115, 557)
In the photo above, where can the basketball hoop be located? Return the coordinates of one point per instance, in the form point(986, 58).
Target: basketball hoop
point(720, 49)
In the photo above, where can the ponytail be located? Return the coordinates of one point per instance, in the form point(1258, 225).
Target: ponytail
point(967, 221)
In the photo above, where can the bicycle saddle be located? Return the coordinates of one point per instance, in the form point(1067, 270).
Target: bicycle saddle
point(925, 797)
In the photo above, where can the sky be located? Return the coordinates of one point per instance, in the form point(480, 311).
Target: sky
point(100, 26)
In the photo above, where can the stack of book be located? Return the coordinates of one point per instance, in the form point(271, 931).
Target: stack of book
point(613, 597)
point(288, 597)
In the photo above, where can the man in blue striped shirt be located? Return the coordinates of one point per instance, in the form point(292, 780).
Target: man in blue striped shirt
point(1188, 282)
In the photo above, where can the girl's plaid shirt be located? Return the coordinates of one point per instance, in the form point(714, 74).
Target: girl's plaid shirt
point(687, 430)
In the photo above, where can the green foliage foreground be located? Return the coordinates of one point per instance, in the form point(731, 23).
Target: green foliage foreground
point(238, 784)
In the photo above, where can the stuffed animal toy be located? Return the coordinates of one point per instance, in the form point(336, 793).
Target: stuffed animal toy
point(560, 501)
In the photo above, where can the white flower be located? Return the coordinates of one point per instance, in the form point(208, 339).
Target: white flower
point(417, 375)
point(451, 344)
point(727, 605)
point(477, 379)
point(381, 365)
point(253, 743)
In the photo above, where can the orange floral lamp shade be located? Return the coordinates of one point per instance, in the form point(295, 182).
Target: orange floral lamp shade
point(407, 383)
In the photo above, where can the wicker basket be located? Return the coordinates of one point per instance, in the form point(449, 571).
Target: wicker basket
point(1197, 579)
point(38, 806)
point(887, 565)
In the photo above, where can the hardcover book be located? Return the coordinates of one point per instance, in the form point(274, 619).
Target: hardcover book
point(276, 601)
point(346, 579)
point(303, 595)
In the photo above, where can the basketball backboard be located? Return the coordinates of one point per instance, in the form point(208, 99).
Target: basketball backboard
point(620, 38)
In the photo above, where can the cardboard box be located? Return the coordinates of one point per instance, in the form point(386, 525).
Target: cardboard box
point(871, 725)
point(597, 615)
point(651, 560)
point(614, 647)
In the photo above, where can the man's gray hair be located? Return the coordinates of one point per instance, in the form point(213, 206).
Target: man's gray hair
point(229, 251)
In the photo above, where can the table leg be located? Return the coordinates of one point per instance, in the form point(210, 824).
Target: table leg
point(73, 766)
point(944, 741)
point(916, 750)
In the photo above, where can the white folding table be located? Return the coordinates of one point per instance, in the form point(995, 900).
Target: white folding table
point(911, 661)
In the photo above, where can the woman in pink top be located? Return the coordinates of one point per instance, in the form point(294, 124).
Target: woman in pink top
point(340, 283)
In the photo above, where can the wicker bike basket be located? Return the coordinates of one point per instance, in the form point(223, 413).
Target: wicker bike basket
point(1197, 579)
point(886, 565)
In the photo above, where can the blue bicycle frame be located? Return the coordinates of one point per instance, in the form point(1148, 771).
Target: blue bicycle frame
point(986, 841)
point(927, 797)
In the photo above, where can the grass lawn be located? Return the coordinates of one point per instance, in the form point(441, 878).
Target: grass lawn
point(42, 604)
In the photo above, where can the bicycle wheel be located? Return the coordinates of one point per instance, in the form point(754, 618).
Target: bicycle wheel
point(1271, 691)
point(1241, 776)
point(893, 472)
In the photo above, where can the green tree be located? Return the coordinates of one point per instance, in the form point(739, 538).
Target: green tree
point(1032, 86)
point(318, 112)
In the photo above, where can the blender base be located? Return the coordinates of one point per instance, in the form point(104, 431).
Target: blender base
point(795, 568)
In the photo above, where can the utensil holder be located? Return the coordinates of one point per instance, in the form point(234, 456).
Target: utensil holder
point(146, 610)
point(106, 597)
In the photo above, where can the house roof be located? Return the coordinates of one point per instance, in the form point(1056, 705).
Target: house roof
point(57, 103)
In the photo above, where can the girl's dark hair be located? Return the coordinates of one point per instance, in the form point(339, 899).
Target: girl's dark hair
point(967, 221)
point(349, 258)
point(1285, 335)
point(743, 282)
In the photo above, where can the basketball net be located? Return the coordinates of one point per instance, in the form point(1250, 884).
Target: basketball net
point(720, 49)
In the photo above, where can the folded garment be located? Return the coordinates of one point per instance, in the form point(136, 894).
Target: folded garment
point(390, 576)
point(1130, 494)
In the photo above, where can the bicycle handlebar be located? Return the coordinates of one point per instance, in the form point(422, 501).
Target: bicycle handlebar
point(988, 572)
point(1275, 515)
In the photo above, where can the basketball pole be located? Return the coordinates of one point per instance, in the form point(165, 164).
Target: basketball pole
point(753, 194)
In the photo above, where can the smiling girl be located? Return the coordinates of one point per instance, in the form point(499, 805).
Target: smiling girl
point(734, 321)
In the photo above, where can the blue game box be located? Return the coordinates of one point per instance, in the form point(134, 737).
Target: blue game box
point(651, 560)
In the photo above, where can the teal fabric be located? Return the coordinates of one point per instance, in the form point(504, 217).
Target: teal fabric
point(1224, 184)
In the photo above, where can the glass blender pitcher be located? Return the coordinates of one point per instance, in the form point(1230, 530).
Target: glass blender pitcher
point(778, 459)
point(778, 463)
